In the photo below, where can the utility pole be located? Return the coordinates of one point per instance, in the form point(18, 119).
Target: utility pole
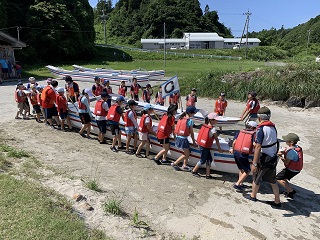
point(309, 31)
point(246, 27)
point(18, 31)
point(164, 44)
point(104, 20)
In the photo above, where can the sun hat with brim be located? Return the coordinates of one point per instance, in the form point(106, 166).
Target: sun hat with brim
point(49, 80)
point(120, 99)
point(264, 110)
point(213, 116)
point(191, 109)
point(132, 103)
point(89, 92)
point(291, 137)
point(252, 124)
point(147, 107)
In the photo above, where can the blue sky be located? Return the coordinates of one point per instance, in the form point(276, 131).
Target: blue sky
point(265, 14)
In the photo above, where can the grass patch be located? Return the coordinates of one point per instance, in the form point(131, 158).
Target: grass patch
point(136, 222)
point(93, 185)
point(12, 152)
point(4, 163)
point(113, 206)
point(29, 211)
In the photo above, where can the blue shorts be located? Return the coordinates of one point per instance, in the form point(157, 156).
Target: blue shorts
point(182, 143)
point(206, 156)
point(242, 161)
point(63, 115)
point(51, 112)
point(130, 130)
point(102, 125)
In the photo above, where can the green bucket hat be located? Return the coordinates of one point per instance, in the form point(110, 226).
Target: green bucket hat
point(291, 137)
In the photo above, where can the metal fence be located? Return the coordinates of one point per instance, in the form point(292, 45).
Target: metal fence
point(171, 53)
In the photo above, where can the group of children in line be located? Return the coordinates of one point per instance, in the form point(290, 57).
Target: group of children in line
point(109, 115)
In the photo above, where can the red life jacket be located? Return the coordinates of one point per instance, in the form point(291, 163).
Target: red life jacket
point(164, 126)
point(244, 143)
point(270, 124)
point(159, 98)
point(143, 128)
point(127, 121)
point(108, 89)
point(220, 106)
point(174, 98)
point(181, 128)
point(191, 100)
point(81, 105)
point(99, 110)
point(113, 115)
point(18, 98)
point(98, 90)
point(122, 91)
point(298, 165)
point(135, 89)
point(61, 103)
point(71, 91)
point(204, 140)
point(256, 106)
point(146, 95)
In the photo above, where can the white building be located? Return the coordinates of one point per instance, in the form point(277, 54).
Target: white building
point(197, 41)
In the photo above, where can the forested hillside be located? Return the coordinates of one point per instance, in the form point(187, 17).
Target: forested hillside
point(53, 30)
point(131, 20)
point(293, 40)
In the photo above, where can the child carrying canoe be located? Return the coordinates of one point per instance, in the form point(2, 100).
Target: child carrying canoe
point(131, 126)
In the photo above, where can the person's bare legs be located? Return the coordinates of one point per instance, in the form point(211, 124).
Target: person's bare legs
point(128, 142)
point(163, 152)
point(242, 176)
point(275, 189)
point(284, 183)
point(187, 154)
point(255, 189)
point(147, 147)
point(135, 141)
point(140, 147)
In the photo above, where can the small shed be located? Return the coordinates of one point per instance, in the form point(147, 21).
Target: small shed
point(7, 46)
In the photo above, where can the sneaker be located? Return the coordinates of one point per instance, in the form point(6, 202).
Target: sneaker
point(290, 194)
point(245, 186)
point(250, 198)
point(273, 204)
point(39, 121)
point(238, 188)
point(195, 174)
point(186, 168)
point(209, 177)
point(156, 160)
point(17, 118)
point(51, 126)
point(129, 152)
point(83, 135)
point(113, 149)
point(163, 161)
point(121, 147)
point(47, 124)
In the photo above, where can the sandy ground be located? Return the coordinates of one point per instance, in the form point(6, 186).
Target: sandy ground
point(174, 204)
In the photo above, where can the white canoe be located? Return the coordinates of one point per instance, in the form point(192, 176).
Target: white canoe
point(153, 74)
point(223, 162)
point(88, 76)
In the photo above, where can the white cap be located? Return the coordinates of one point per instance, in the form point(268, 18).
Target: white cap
point(252, 124)
point(60, 89)
point(89, 92)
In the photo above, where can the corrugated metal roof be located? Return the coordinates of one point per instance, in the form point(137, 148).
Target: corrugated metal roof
point(237, 40)
point(161, 40)
point(11, 41)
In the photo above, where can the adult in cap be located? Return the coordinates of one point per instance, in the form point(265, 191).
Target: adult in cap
point(72, 88)
point(183, 130)
point(85, 112)
point(114, 114)
point(48, 98)
point(292, 157)
point(131, 126)
point(165, 129)
point(191, 98)
point(242, 146)
point(265, 157)
point(144, 129)
point(206, 136)
point(252, 108)
point(101, 111)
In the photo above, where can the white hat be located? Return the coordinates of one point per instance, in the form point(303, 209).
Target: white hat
point(213, 116)
point(252, 124)
point(89, 92)
point(31, 79)
point(60, 89)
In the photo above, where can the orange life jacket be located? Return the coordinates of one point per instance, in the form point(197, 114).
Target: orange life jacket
point(33, 98)
point(204, 140)
point(181, 128)
point(70, 90)
point(298, 165)
point(62, 103)
point(244, 143)
point(99, 110)
point(127, 121)
point(143, 128)
point(146, 95)
point(256, 106)
point(19, 98)
point(98, 90)
point(191, 100)
point(47, 101)
point(122, 91)
point(113, 115)
point(159, 98)
point(135, 89)
point(220, 106)
point(80, 104)
point(164, 126)
point(39, 99)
